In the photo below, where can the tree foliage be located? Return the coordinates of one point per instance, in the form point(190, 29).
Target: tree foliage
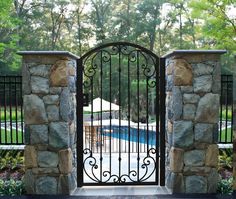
point(78, 25)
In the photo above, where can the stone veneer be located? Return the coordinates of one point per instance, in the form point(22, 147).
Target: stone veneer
point(50, 122)
point(192, 111)
point(234, 130)
point(192, 105)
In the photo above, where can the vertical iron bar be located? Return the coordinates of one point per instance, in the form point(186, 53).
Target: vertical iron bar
point(21, 114)
point(110, 113)
point(128, 114)
point(226, 119)
point(16, 122)
point(93, 129)
point(1, 140)
point(157, 110)
point(221, 104)
point(101, 122)
point(5, 111)
point(10, 101)
point(138, 115)
point(162, 121)
point(119, 113)
point(232, 111)
point(79, 110)
point(147, 132)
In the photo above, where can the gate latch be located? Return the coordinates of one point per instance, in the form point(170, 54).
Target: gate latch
point(85, 99)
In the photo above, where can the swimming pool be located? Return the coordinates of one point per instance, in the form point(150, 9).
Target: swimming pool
point(141, 135)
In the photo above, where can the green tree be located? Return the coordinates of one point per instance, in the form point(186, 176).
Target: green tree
point(9, 61)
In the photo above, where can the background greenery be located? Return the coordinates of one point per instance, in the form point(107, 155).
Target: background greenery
point(78, 25)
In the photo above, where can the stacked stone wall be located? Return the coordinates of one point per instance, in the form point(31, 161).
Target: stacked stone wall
point(50, 123)
point(192, 108)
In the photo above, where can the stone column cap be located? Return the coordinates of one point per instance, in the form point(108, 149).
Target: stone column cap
point(61, 53)
point(176, 52)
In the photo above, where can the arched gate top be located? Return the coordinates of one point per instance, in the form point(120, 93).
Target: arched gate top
point(120, 44)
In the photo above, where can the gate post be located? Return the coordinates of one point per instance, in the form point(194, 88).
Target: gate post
point(49, 103)
point(192, 114)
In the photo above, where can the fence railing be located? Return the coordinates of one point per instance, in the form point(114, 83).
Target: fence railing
point(226, 110)
point(11, 111)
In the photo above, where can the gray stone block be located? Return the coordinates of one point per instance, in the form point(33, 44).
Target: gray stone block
point(202, 69)
point(177, 106)
point(46, 185)
point(29, 181)
point(51, 99)
point(186, 89)
point(213, 180)
point(47, 159)
point(65, 104)
point(169, 83)
point(208, 109)
point(34, 110)
point(190, 98)
point(59, 135)
point(67, 183)
point(202, 84)
point(203, 133)
point(52, 113)
point(196, 184)
point(189, 111)
point(175, 181)
point(194, 158)
point(183, 134)
point(39, 85)
point(216, 86)
point(55, 90)
point(26, 86)
point(39, 134)
point(72, 85)
point(40, 70)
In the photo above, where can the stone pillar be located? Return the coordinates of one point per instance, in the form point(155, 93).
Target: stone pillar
point(192, 113)
point(50, 121)
point(234, 129)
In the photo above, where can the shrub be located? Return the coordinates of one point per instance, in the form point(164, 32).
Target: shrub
point(225, 186)
point(11, 187)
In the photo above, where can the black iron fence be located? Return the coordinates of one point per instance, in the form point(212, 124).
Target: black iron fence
point(226, 110)
point(11, 111)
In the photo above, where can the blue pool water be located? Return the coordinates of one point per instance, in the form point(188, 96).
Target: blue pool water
point(133, 135)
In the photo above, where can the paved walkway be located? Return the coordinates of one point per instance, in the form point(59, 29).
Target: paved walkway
point(200, 196)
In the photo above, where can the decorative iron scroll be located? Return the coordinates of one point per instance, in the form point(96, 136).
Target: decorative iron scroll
point(130, 177)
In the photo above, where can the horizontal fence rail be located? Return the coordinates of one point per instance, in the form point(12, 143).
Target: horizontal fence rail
point(11, 110)
point(226, 110)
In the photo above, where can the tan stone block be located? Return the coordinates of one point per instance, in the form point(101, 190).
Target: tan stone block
point(65, 161)
point(59, 73)
point(45, 171)
point(212, 154)
point(170, 127)
point(183, 75)
point(71, 71)
point(30, 156)
point(234, 176)
point(176, 159)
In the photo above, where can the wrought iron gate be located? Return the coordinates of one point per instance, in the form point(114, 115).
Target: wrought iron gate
point(120, 116)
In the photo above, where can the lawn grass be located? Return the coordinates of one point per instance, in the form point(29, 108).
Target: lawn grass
point(225, 137)
point(7, 139)
point(6, 113)
point(229, 114)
